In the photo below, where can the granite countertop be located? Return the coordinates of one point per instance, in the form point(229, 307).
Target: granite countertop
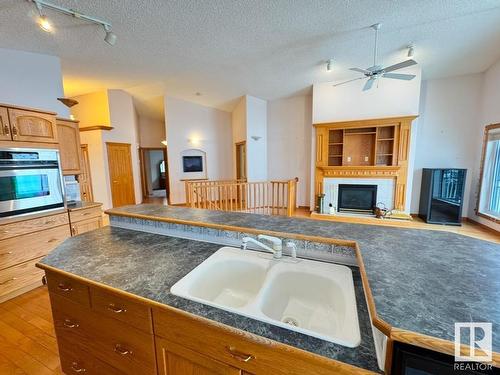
point(148, 264)
point(82, 205)
point(421, 280)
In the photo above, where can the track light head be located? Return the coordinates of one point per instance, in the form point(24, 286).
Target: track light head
point(45, 24)
point(110, 37)
point(329, 65)
point(411, 51)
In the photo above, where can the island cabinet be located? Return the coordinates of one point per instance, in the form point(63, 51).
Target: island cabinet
point(105, 331)
point(85, 219)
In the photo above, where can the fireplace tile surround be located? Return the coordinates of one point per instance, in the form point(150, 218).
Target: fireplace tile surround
point(385, 190)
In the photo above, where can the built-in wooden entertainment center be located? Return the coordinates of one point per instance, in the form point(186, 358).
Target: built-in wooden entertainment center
point(375, 148)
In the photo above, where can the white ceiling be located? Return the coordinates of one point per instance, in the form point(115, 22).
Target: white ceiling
point(266, 48)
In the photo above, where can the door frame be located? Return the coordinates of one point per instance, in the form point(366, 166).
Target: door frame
point(142, 152)
point(236, 153)
point(131, 167)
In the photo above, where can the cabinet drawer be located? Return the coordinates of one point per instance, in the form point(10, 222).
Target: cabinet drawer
point(85, 214)
point(29, 246)
point(20, 276)
point(113, 342)
point(87, 225)
point(19, 228)
point(76, 360)
point(121, 308)
point(250, 353)
point(68, 288)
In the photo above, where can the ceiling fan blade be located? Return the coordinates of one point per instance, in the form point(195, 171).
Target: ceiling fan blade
point(400, 65)
point(354, 79)
point(368, 85)
point(359, 70)
point(406, 77)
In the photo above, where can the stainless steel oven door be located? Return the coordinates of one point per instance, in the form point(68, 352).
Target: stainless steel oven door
point(29, 190)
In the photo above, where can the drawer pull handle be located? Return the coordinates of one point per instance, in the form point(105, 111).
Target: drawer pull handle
point(121, 350)
point(116, 309)
point(69, 324)
point(64, 287)
point(6, 129)
point(49, 222)
point(243, 357)
point(77, 368)
point(52, 240)
point(8, 281)
point(14, 130)
point(7, 253)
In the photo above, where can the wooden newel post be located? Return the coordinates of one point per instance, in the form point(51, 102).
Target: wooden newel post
point(292, 196)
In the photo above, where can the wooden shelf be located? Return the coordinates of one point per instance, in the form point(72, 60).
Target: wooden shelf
point(385, 139)
point(335, 144)
point(359, 133)
point(384, 154)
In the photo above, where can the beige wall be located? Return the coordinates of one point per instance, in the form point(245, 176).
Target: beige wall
point(92, 109)
point(151, 132)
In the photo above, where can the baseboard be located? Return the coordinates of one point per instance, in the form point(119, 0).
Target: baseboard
point(483, 226)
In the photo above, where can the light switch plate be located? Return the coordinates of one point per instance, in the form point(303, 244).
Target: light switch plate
point(366, 158)
point(348, 158)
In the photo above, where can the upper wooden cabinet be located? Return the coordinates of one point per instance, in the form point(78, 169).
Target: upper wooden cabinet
point(4, 125)
point(69, 146)
point(32, 126)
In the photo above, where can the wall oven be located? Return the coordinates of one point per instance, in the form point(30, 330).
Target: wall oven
point(30, 181)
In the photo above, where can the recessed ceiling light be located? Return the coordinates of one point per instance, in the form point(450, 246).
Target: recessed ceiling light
point(45, 24)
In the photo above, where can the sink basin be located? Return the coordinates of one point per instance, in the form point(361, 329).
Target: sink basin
point(310, 297)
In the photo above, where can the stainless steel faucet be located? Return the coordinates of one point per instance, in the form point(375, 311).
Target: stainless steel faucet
point(276, 249)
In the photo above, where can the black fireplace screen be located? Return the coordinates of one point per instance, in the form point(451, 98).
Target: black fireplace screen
point(357, 198)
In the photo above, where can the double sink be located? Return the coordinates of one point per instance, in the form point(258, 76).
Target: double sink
point(310, 297)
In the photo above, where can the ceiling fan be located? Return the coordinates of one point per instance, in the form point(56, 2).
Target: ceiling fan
point(377, 71)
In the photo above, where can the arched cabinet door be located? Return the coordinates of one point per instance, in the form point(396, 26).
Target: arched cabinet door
point(31, 126)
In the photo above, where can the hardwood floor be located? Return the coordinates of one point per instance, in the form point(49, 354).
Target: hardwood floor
point(27, 339)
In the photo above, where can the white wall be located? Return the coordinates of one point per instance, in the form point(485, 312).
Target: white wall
point(208, 129)
point(448, 131)
point(489, 114)
point(289, 124)
point(392, 98)
point(256, 126)
point(151, 132)
point(31, 80)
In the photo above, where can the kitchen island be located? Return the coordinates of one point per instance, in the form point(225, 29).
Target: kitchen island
point(406, 275)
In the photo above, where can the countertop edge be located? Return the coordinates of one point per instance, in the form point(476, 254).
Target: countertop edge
point(393, 333)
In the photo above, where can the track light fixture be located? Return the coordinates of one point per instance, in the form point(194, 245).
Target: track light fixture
point(329, 65)
point(44, 23)
point(411, 51)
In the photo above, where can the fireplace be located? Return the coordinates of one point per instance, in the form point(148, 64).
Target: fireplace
point(357, 198)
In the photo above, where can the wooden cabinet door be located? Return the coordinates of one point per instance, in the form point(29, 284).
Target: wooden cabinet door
point(174, 359)
point(69, 146)
point(30, 126)
point(86, 226)
point(120, 174)
point(5, 134)
point(85, 178)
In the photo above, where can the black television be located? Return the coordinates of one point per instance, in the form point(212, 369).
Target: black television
point(192, 163)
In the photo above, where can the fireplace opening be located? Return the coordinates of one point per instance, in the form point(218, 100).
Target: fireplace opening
point(357, 198)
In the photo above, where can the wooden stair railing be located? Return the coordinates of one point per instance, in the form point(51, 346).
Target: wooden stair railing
point(267, 197)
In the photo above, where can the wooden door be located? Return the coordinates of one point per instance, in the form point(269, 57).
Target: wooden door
point(241, 160)
point(69, 146)
point(5, 134)
point(30, 126)
point(174, 359)
point(85, 178)
point(120, 174)
point(359, 149)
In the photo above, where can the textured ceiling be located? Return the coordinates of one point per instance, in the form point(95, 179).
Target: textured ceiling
point(266, 48)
